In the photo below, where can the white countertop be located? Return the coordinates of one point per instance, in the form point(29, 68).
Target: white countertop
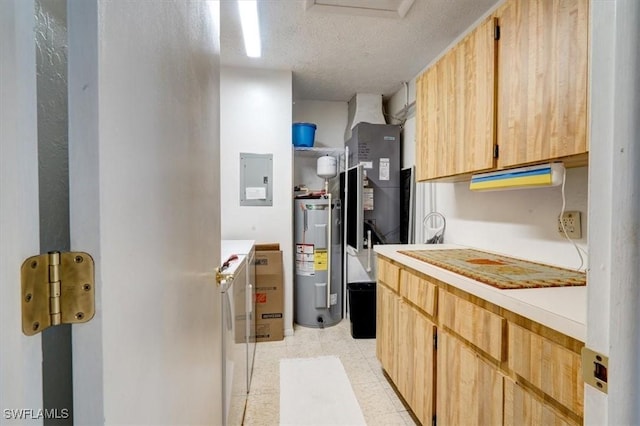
point(563, 309)
point(229, 247)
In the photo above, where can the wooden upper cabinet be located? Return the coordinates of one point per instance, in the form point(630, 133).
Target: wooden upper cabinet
point(526, 92)
point(542, 80)
point(455, 108)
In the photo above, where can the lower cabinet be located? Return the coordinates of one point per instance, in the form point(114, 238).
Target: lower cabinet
point(550, 367)
point(415, 363)
point(470, 391)
point(386, 329)
point(523, 408)
point(489, 367)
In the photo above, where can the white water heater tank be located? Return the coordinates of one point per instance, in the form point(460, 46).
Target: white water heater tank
point(327, 167)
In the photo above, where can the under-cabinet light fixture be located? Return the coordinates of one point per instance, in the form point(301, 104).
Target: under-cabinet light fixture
point(543, 175)
point(250, 27)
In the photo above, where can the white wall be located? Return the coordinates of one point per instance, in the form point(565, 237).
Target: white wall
point(614, 177)
point(331, 119)
point(402, 111)
point(255, 114)
point(20, 356)
point(144, 201)
point(522, 223)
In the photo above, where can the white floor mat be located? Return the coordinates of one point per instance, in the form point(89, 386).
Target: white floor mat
point(317, 391)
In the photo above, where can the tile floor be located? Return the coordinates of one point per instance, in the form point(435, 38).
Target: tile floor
point(379, 402)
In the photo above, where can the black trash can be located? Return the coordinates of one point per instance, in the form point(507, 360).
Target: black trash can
point(362, 309)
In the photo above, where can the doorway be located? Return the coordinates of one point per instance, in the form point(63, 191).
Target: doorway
point(50, 18)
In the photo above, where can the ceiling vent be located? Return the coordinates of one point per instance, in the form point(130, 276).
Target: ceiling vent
point(376, 8)
point(363, 108)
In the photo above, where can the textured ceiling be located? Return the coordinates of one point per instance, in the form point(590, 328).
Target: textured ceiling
point(334, 55)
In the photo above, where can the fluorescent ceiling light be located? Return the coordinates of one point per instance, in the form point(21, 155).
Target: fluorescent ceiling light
point(544, 175)
point(250, 27)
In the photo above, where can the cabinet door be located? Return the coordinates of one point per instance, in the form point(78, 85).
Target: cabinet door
point(415, 366)
point(386, 329)
point(523, 408)
point(542, 80)
point(455, 131)
point(469, 390)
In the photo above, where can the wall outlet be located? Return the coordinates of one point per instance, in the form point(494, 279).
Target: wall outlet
point(572, 224)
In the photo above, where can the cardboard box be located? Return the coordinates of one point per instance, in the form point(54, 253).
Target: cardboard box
point(269, 293)
point(267, 246)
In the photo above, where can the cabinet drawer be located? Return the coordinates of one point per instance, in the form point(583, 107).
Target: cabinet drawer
point(477, 325)
point(418, 291)
point(549, 366)
point(522, 408)
point(388, 273)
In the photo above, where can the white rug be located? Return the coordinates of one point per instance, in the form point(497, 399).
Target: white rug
point(317, 391)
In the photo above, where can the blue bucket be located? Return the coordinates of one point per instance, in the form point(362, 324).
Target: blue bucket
point(304, 134)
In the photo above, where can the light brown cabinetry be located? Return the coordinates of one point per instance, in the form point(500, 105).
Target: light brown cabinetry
point(542, 80)
point(416, 361)
point(418, 291)
point(534, 106)
point(387, 329)
point(480, 327)
point(389, 274)
point(549, 366)
point(490, 365)
point(469, 389)
point(454, 108)
point(523, 408)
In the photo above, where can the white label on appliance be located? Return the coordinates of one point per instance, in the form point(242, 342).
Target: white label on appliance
point(304, 268)
point(384, 169)
point(367, 198)
point(305, 248)
point(333, 299)
point(367, 164)
point(255, 193)
point(305, 259)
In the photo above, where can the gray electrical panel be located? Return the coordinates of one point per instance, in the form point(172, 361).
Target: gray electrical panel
point(377, 148)
point(256, 179)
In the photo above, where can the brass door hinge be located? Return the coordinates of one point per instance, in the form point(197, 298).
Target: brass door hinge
point(57, 288)
point(594, 369)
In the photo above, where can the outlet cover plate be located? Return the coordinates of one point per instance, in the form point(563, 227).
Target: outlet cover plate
point(572, 224)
